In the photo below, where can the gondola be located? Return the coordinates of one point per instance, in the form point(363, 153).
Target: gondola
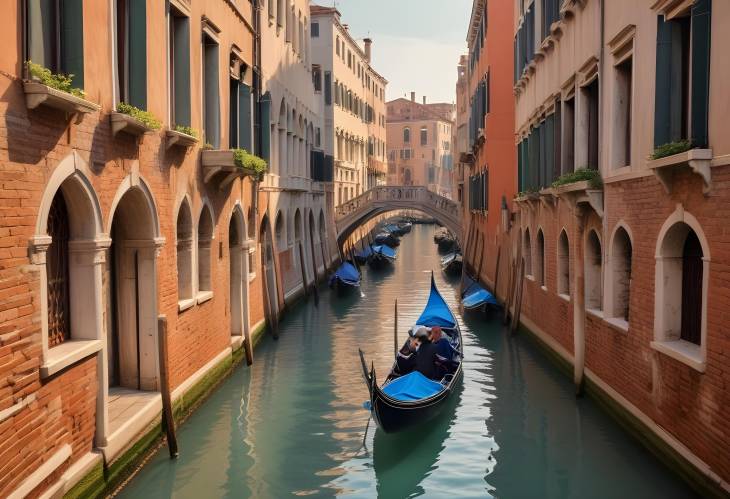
point(387, 238)
point(412, 399)
point(440, 234)
point(382, 254)
point(475, 297)
point(405, 227)
point(394, 229)
point(364, 255)
point(346, 277)
point(451, 263)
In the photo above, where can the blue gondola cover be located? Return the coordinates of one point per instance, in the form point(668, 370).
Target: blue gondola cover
point(477, 297)
point(365, 252)
point(437, 312)
point(348, 274)
point(412, 386)
point(385, 250)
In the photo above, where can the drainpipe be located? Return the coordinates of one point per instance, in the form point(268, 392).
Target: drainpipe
point(579, 308)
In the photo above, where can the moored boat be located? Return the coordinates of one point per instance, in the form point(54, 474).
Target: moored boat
point(364, 255)
point(386, 238)
point(406, 400)
point(382, 254)
point(346, 277)
point(475, 297)
point(451, 263)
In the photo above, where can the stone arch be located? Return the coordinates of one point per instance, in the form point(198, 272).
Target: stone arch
point(205, 233)
point(298, 229)
point(134, 229)
point(527, 251)
point(618, 268)
point(540, 262)
point(268, 268)
point(563, 252)
point(280, 231)
point(681, 289)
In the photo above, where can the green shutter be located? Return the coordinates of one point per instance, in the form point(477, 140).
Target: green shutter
point(244, 116)
point(662, 93)
point(42, 32)
point(328, 88)
point(72, 40)
point(549, 150)
point(519, 167)
point(137, 54)
point(233, 115)
point(265, 126)
point(701, 34)
point(181, 65)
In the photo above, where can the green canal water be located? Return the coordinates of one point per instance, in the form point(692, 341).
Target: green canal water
point(293, 423)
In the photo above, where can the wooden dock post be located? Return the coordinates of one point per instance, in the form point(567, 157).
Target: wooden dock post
point(167, 415)
point(518, 300)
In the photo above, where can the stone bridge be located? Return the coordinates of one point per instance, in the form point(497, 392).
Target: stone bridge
point(352, 214)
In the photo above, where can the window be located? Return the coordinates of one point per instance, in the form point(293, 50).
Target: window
point(205, 240)
point(620, 263)
point(184, 236)
point(55, 36)
point(271, 9)
point(211, 97)
point(568, 136)
point(424, 136)
point(406, 135)
point(279, 233)
point(622, 113)
point(540, 268)
point(589, 95)
point(132, 53)
point(593, 268)
point(179, 68)
point(57, 271)
point(315, 30)
point(563, 264)
point(527, 253)
point(682, 76)
point(349, 59)
point(337, 45)
point(280, 13)
point(317, 77)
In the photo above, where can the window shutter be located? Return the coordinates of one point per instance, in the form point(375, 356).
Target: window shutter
point(519, 167)
point(663, 100)
point(181, 67)
point(701, 22)
point(138, 54)
point(244, 116)
point(328, 88)
point(557, 139)
point(72, 40)
point(265, 104)
point(41, 32)
point(549, 151)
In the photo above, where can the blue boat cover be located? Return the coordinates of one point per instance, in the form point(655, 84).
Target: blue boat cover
point(477, 297)
point(412, 386)
point(392, 228)
point(437, 312)
point(385, 250)
point(348, 273)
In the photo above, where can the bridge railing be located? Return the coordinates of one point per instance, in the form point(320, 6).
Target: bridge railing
point(396, 194)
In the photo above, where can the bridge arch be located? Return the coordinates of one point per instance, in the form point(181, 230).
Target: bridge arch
point(383, 199)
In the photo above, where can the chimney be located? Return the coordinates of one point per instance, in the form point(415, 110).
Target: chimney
point(424, 100)
point(413, 96)
point(368, 45)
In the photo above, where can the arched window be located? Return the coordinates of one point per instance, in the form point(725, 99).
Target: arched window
point(406, 135)
point(540, 263)
point(527, 252)
point(279, 233)
point(620, 274)
point(424, 135)
point(297, 226)
point(57, 271)
point(682, 268)
point(205, 239)
point(184, 237)
point(563, 264)
point(593, 267)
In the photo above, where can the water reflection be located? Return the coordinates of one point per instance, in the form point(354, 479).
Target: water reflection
point(293, 423)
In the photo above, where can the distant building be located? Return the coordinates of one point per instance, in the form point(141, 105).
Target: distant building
point(420, 144)
point(354, 105)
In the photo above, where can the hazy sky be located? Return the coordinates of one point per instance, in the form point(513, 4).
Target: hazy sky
point(416, 43)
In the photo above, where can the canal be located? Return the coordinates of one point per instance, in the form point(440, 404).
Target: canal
point(293, 423)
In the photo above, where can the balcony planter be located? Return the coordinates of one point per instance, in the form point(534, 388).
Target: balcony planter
point(125, 123)
point(37, 94)
point(548, 197)
point(527, 197)
point(582, 192)
point(220, 164)
point(698, 160)
point(175, 138)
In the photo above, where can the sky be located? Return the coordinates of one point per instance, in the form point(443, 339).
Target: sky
point(416, 43)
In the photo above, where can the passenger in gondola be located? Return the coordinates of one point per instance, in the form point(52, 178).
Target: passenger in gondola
point(426, 355)
point(406, 358)
point(444, 350)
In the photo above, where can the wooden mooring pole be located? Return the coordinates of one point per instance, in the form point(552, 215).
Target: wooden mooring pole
point(395, 328)
point(168, 417)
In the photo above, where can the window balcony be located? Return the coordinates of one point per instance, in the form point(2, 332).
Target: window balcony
point(219, 164)
point(38, 94)
point(582, 192)
point(698, 160)
point(125, 123)
point(175, 138)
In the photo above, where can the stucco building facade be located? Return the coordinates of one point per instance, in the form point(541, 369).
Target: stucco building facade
point(354, 105)
point(419, 138)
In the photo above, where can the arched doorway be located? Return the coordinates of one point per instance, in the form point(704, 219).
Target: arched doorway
point(266, 250)
point(236, 237)
point(132, 340)
point(315, 267)
point(323, 240)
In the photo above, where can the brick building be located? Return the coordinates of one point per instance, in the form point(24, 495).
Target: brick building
point(109, 221)
point(622, 166)
point(419, 137)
